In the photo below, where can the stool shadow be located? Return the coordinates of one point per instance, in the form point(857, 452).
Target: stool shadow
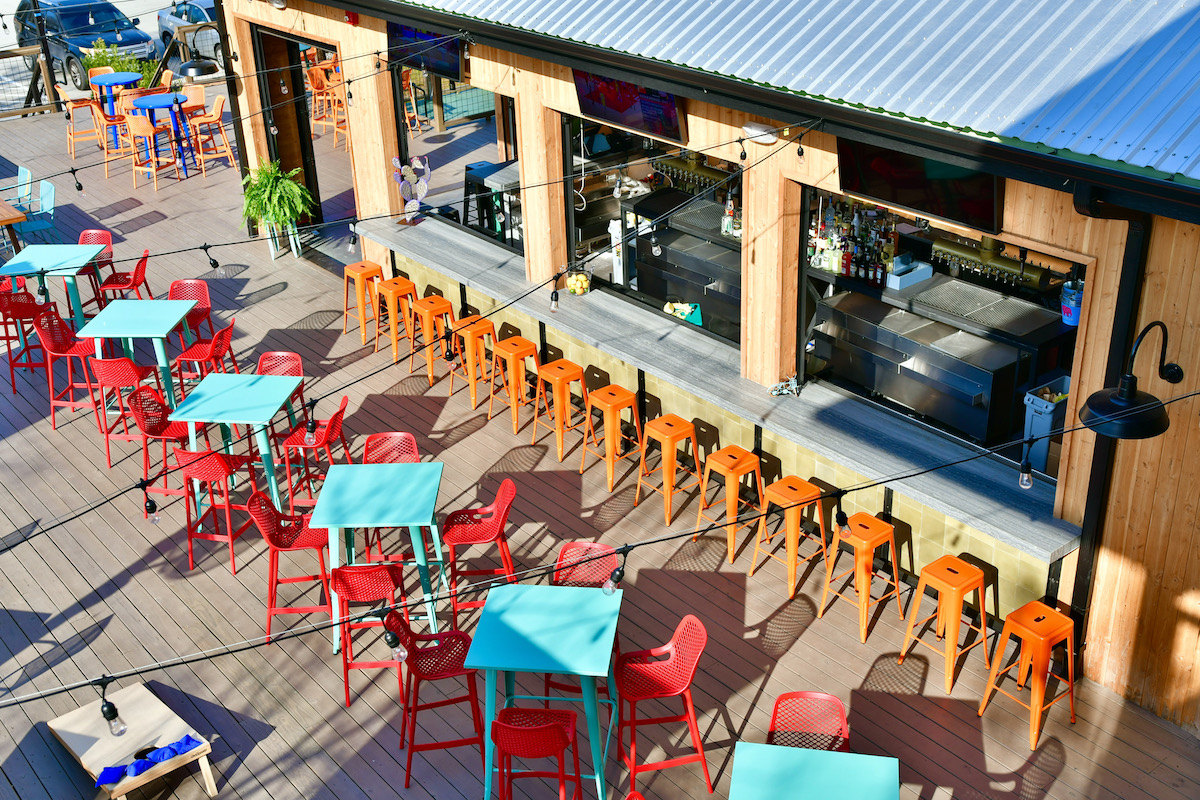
point(991, 577)
point(611, 511)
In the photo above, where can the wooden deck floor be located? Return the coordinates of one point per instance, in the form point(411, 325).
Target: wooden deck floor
point(110, 591)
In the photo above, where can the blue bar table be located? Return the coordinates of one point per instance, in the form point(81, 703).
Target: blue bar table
point(54, 260)
point(381, 496)
point(106, 83)
point(172, 101)
point(560, 630)
point(228, 398)
point(141, 319)
point(771, 772)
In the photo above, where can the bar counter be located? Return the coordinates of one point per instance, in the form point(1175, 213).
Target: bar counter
point(855, 434)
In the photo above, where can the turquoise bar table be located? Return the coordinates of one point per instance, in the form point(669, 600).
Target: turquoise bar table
point(141, 319)
point(228, 398)
point(54, 260)
point(771, 772)
point(381, 496)
point(560, 630)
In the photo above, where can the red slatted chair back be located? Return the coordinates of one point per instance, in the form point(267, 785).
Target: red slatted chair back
point(333, 430)
point(529, 740)
point(139, 269)
point(54, 334)
point(482, 525)
point(281, 362)
point(98, 236)
point(191, 289)
point(21, 306)
point(372, 583)
point(6, 285)
point(587, 564)
point(278, 529)
point(222, 346)
point(115, 372)
point(149, 410)
point(207, 466)
point(814, 720)
point(391, 448)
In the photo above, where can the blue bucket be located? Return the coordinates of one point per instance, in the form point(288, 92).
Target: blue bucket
point(1072, 301)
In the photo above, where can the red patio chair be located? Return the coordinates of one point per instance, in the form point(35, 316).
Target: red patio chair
point(18, 310)
point(366, 583)
point(193, 289)
point(112, 375)
point(327, 432)
point(388, 448)
point(289, 364)
point(433, 657)
point(536, 733)
point(91, 272)
point(151, 413)
point(213, 468)
point(285, 533)
point(60, 342)
point(207, 355)
point(657, 674)
point(586, 564)
point(814, 720)
point(100, 236)
point(119, 283)
point(479, 526)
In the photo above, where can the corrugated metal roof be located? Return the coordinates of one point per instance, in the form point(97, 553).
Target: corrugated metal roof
point(1114, 79)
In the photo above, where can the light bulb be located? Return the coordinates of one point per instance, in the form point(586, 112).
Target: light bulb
point(152, 510)
point(274, 131)
point(353, 246)
point(554, 300)
point(800, 153)
point(609, 588)
point(310, 432)
point(655, 247)
point(399, 651)
point(116, 725)
point(1026, 479)
point(617, 189)
point(614, 580)
point(843, 524)
point(349, 98)
point(282, 86)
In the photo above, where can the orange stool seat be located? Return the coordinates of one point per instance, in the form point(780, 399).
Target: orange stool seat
point(469, 333)
point(558, 375)
point(360, 273)
point(864, 534)
point(508, 362)
point(951, 578)
point(432, 314)
point(670, 431)
point(398, 295)
point(732, 463)
point(794, 495)
point(1040, 629)
point(610, 401)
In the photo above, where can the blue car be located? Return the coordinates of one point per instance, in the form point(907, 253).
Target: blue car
point(73, 26)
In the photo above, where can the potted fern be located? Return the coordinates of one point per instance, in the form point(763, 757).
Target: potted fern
point(276, 200)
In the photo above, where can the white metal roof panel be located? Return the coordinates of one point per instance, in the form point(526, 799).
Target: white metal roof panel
point(1114, 79)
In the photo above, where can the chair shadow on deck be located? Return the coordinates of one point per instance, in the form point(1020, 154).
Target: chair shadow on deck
point(939, 740)
point(51, 650)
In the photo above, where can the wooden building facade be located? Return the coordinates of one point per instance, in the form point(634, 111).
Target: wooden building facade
point(1134, 501)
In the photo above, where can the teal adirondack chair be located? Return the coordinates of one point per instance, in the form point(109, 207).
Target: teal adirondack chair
point(40, 224)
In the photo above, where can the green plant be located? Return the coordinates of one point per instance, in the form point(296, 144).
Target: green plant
point(102, 55)
point(274, 196)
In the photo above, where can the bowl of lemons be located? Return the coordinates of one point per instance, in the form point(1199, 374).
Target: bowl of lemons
point(579, 280)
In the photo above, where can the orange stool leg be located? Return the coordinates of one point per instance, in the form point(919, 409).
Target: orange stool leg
point(562, 411)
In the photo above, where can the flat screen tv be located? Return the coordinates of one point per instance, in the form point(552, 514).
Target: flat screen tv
point(922, 185)
point(629, 106)
point(425, 50)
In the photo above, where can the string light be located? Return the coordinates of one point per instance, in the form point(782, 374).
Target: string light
point(554, 299)
point(614, 580)
point(282, 86)
point(655, 247)
point(108, 709)
point(310, 427)
point(742, 144)
point(1025, 481)
point(78, 185)
point(353, 246)
point(448, 345)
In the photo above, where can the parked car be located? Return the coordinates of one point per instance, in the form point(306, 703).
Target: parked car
point(73, 26)
point(193, 12)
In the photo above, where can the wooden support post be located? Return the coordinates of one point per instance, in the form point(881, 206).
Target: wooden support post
point(539, 140)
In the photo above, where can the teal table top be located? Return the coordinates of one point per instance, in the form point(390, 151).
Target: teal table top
point(562, 630)
point(137, 319)
point(233, 399)
point(378, 495)
point(771, 772)
point(56, 259)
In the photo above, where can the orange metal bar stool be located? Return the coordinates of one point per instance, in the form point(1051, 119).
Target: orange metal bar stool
point(472, 351)
point(732, 463)
point(1040, 628)
point(610, 401)
point(794, 495)
point(360, 273)
point(432, 313)
point(559, 375)
point(398, 295)
point(864, 533)
point(951, 578)
point(508, 361)
point(670, 431)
